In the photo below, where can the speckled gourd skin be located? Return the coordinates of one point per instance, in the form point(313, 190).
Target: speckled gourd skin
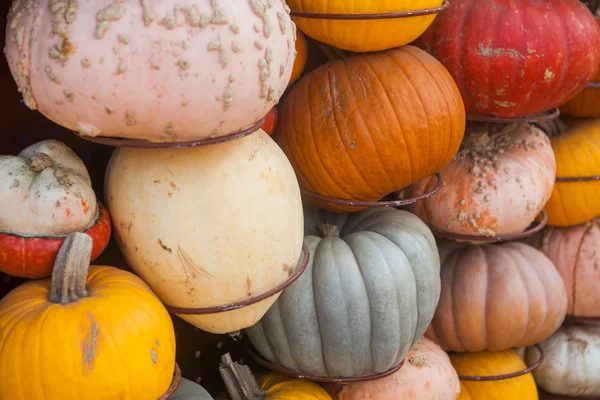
point(161, 70)
point(45, 190)
point(364, 300)
point(497, 184)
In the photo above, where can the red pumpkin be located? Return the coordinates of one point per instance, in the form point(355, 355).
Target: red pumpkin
point(516, 58)
point(270, 123)
point(33, 256)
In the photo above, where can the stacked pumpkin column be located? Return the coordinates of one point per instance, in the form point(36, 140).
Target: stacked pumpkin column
point(205, 206)
point(357, 130)
point(572, 242)
point(513, 68)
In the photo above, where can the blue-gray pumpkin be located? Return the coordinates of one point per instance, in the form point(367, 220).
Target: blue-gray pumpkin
point(188, 390)
point(367, 296)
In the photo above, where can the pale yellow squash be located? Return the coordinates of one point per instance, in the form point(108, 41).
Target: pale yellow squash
point(209, 226)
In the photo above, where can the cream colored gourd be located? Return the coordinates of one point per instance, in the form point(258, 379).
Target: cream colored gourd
point(45, 190)
point(161, 70)
point(210, 225)
point(572, 364)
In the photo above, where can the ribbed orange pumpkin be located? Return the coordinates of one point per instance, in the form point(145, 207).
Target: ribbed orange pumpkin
point(371, 124)
point(495, 297)
point(575, 252)
point(586, 103)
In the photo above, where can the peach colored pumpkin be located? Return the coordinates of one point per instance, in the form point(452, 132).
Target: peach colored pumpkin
point(208, 226)
point(46, 189)
point(426, 374)
point(161, 70)
point(495, 297)
point(499, 181)
point(575, 252)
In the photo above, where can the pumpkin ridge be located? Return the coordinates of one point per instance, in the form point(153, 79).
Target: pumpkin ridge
point(332, 82)
point(294, 149)
point(316, 308)
point(564, 36)
point(346, 307)
point(454, 304)
point(368, 298)
point(463, 55)
point(577, 264)
point(540, 276)
point(286, 340)
point(485, 306)
point(411, 269)
point(373, 154)
point(422, 109)
point(444, 99)
point(400, 128)
point(398, 124)
point(284, 140)
point(525, 335)
point(366, 126)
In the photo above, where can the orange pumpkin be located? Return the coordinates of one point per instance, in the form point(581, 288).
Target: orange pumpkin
point(301, 56)
point(495, 297)
point(371, 124)
point(587, 102)
point(574, 252)
point(426, 374)
point(77, 336)
point(497, 184)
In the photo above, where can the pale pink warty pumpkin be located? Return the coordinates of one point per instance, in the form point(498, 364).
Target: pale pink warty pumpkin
point(160, 70)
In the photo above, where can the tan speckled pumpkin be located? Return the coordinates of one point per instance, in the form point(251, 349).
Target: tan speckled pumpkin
point(499, 181)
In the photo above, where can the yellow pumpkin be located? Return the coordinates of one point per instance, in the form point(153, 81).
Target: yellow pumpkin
point(577, 153)
point(492, 364)
point(364, 35)
point(242, 385)
point(74, 336)
point(280, 387)
point(587, 102)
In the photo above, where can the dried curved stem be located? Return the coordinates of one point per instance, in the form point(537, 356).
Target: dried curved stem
point(71, 269)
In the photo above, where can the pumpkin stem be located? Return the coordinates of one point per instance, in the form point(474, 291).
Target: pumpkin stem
point(239, 381)
point(553, 128)
point(71, 269)
point(329, 230)
point(40, 162)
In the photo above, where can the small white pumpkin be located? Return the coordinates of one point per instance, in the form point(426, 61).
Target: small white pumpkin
point(572, 364)
point(45, 190)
